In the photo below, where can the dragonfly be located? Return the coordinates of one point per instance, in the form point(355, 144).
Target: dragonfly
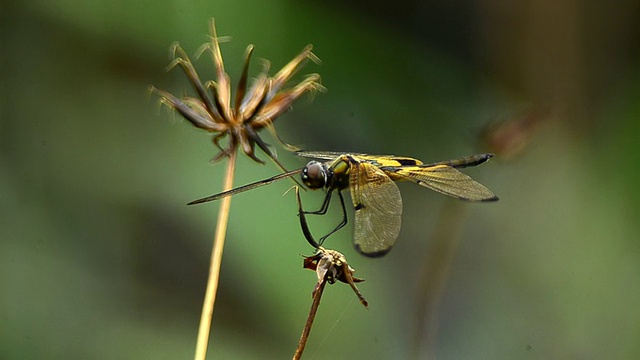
point(375, 197)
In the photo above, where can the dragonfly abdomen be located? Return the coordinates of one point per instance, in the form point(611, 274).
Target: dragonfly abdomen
point(467, 161)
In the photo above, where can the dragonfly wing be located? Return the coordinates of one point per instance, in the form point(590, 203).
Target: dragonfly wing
point(246, 187)
point(444, 179)
point(319, 155)
point(378, 209)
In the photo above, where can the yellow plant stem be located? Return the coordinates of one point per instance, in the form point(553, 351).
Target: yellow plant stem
point(216, 262)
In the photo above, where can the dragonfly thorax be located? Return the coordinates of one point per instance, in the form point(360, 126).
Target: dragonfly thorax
point(315, 175)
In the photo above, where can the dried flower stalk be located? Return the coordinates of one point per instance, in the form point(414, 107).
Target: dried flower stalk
point(239, 123)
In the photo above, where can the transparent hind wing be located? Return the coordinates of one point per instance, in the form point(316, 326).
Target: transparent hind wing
point(446, 180)
point(378, 209)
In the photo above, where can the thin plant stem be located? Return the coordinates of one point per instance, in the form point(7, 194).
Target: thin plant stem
point(434, 276)
point(312, 315)
point(216, 262)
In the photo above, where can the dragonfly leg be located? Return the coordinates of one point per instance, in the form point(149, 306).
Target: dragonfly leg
point(342, 223)
point(303, 222)
point(323, 210)
point(325, 205)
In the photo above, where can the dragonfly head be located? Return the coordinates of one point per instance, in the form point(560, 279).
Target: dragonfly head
point(314, 175)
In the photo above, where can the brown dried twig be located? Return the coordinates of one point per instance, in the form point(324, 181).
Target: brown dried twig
point(329, 265)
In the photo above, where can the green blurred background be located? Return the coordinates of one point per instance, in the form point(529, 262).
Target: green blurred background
point(100, 258)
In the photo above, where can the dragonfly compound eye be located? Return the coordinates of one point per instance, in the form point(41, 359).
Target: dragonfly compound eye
point(314, 175)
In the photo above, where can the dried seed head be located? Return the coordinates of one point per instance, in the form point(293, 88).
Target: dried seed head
point(255, 107)
point(331, 265)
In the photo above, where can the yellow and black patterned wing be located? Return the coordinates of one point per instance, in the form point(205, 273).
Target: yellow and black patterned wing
point(443, 179)
point(378, 209)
